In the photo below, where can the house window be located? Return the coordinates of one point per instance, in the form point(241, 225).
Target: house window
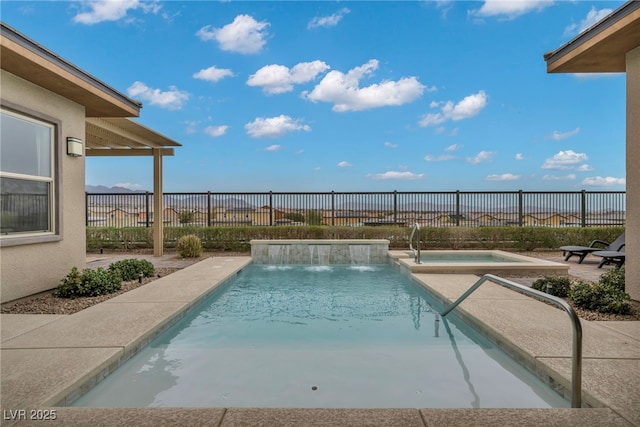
point(26, 175)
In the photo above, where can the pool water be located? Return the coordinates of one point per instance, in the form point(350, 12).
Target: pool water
point(320, 336)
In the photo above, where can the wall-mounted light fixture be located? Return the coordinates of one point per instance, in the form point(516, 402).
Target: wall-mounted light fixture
point(74, 147)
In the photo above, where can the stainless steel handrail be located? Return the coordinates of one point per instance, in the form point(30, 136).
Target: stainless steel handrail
point(576, 359)
point(416, 254)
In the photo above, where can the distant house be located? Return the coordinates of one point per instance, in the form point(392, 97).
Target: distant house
point(53, 114)
point(344, 218)
point(112, 217)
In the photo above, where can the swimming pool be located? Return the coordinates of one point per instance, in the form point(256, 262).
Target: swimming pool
point(326, 336)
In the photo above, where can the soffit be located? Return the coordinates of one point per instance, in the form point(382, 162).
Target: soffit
point(122, 133)
point(32, 62)
point(601, 48)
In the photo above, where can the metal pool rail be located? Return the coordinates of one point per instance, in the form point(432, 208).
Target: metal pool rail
point(416, 253)
point(576, 358)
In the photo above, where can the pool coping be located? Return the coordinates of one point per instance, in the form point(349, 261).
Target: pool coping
point(43, 368)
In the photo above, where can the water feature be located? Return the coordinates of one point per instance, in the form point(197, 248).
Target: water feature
point(319, 254)
point(357, 251)
point(360, 254)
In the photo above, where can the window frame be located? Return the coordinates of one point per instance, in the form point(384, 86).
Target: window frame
point(55, 181)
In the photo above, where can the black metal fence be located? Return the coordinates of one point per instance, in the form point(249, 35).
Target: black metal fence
point(435, 209)
point(24, 212)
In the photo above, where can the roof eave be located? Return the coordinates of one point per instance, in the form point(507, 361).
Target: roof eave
point(602, 47)
point(33, 62)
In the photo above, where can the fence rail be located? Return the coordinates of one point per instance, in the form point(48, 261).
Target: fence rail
point(428, 209)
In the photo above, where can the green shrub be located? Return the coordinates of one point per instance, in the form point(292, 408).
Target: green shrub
point(237, 238)
point(89, 283)
point(189, 246)
point(71, 286)
point(130, 269)
point(614, 278)
point(560, 286)
point(600, 297)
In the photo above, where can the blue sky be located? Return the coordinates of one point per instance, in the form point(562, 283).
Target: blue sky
point(347, 96)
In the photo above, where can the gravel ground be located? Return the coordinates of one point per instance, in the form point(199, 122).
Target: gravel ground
point(46, 303)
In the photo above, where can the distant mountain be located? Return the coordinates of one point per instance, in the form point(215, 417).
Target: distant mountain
point(102, 189)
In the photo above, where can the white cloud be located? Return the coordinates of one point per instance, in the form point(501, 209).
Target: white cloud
point(280, 79)
point(470, 106)
point(192, 126)
point(604, 182)
point(344, 91)
point(390, 144)
point(502, 177)
point(510, 9)
point(94, 12)
point(406, 176)
point(173, 99)
point(274, 127)
point(130, 186)
point(592, 18)
point(584, 168)
point(564, 160)
point(244, 35)
point(274, 147)
point(213, 74)
point(328, 21)
point(441, 158)
point(344, 164)
point(216, 131)
point(519, 156)
point(481, 157)
point(558, 136)
point(569, 177)
point(454, 147)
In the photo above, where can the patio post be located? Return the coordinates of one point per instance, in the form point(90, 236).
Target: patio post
point(158, 216)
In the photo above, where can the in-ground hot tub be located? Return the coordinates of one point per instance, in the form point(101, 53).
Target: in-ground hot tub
point(478, 262)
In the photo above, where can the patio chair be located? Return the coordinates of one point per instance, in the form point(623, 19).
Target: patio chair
point(611, 257)
point(583, 251)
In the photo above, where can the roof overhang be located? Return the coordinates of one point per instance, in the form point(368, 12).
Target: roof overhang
point(124, 137)
point(601, 48)
point(30, 61)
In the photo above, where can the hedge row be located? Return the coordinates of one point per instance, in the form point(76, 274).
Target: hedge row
point(238, 238)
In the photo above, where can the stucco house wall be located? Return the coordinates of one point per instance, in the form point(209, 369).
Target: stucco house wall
point(28, 267)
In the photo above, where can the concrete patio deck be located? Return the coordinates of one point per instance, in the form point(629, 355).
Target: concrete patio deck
point(47, 361)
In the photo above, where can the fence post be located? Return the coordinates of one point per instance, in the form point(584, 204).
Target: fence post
point(270, 207)
point(333, 210)
point(520, 208)
point(457, 207)
point(209, 209)
point(146, 207)
point(86, 209)
point(395, 206)
point(583, 209)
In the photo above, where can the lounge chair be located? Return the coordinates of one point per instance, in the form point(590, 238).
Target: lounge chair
point(583, 251)
point(611, 257)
